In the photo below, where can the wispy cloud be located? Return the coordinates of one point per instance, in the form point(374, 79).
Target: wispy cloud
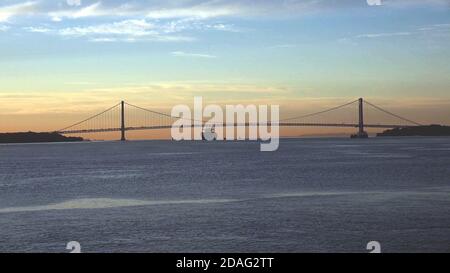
point(199, 9)
point(433, 30)
point(25, 8)
point(224, 27)
point(381, 35)
point(93, 10)
point(124, 31)
point(73, 2)
point(406, 3)
point(134, 9)
point(126, 20)
point(201, 12)
point(37, 29)
point(431, 35)
point(192, 55)
point(157, 95)
point(127, 27)
point(106, 40)
point(132, 30)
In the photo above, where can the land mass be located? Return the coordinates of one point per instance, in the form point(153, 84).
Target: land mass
point(429, 130)
point(32, 137)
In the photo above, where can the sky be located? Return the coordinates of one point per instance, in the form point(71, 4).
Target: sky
point(62, 60)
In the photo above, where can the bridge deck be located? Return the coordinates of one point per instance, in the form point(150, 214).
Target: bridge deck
point(281, 124)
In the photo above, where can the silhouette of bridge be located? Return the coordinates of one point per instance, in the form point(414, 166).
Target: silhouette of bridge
point(124, 117)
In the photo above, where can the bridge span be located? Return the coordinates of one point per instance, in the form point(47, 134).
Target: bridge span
point(116, 119)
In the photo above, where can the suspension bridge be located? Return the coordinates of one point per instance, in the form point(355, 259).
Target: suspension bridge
point(124, 117)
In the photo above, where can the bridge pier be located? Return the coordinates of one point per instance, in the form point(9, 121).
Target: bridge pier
point(361, 133)
point(122, 123)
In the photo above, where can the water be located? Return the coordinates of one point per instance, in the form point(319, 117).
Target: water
point(313, 195)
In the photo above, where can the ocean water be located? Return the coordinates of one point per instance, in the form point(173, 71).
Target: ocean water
point(312, 195)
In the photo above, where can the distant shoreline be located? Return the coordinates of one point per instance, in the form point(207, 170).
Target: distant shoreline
point(33, 137)
point(418, 131)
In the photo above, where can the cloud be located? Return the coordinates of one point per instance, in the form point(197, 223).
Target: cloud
point(436, 30)
point(158, 95)
point(381, 35)
point(406, 3)
point(223, 27)
point(127, 27)
point(200, 12)
point(124, 31)
point(431, 36)
point(25, 8)
point(159, 10)
point(193, 55)
point(119, 17)
point(198, 9)
point(104, 40)
point(133, 9)
point(374, 2)
point(144, 29)
point(74, 2)
point(93, 10)
point(435, 27)
point(37, 29)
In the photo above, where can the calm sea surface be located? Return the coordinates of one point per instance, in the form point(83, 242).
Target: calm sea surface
point(313, 195)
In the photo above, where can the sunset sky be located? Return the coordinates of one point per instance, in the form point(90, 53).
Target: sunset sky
point(63, 60)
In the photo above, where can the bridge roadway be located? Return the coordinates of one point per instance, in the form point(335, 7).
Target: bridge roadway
point(281, 124)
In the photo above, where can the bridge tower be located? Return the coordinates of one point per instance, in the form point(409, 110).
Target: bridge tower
point(122, 120)
point(361, 115)
point(361, 133)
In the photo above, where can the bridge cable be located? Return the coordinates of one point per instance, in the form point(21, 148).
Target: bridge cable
point(392, 114)
point(320, 112)
point(88, 119)
point(159, 113)
point(144, 109)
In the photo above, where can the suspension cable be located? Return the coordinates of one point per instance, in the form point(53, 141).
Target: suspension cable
point(158, 113)
point(320, 112)
point(88, 119)
point(392, 114)
point(144, 109)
